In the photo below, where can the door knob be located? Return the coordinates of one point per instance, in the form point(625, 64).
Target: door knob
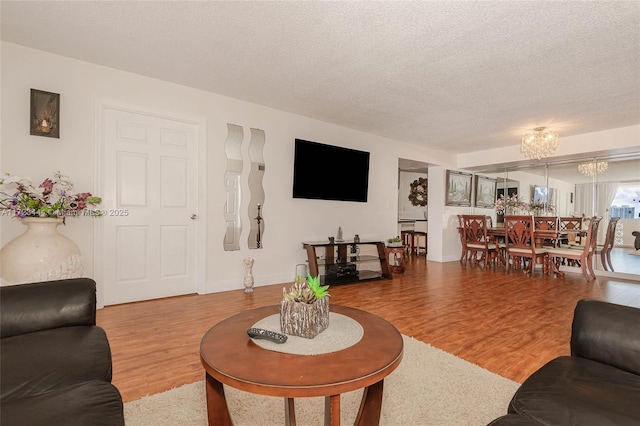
point(194, 216)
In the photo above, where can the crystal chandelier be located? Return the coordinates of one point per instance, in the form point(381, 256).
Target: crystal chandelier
point(592, 169)
point(539, 143)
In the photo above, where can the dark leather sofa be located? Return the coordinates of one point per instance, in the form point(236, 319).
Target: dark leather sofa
point(55, 363)
point(599, 384)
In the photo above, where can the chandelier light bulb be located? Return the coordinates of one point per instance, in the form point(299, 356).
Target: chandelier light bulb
point(539, 143)
point(592, 169)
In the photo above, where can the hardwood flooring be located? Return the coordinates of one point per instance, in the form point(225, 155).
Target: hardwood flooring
point(507, 323)
point(622, 261)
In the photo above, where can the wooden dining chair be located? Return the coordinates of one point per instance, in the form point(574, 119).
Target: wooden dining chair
point(573, 228)
point(605, 250)
point(520, 246)
point(584, 256)
point(463, 242)
point(419, 235)
point(550, 225)
point(477, 240)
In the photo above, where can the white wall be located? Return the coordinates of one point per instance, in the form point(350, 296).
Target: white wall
point(288, 221)
point(443, 220)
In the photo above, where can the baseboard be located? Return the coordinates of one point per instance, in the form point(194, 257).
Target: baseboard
point(238, 284)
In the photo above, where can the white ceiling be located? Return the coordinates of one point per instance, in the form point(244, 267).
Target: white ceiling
point(457, 76)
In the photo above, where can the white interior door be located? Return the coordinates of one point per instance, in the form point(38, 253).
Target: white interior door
point(150, 186)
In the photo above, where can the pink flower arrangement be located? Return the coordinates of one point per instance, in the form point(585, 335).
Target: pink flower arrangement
point(512, 201)
point(54, 197)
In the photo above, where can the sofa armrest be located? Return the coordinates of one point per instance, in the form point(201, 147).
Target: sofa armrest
point(27, 308)
point(607, 333)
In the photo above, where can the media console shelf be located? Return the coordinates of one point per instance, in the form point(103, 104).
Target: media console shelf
point(343, 261)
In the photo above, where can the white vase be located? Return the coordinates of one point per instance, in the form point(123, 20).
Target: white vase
point(40, 254)
point(248, 278)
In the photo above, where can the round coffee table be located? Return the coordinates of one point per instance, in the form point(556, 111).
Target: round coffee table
point(230, 357)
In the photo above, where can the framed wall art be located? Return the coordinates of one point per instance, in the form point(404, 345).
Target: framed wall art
point(485, 190)
point(45, 114)
point(458, 188)
point(510, 192)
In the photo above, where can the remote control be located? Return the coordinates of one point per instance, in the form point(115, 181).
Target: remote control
point(260, 333)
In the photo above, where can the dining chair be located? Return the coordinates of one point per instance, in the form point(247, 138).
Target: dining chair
point(550, 225)
point(477, 241)
point(573, 227)
point(463, 242)
point(584, 256)
point(605, 250)
point(407, 240)
point(419, 235)
point(520, 245)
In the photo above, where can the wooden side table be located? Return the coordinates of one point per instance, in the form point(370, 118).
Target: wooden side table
point(397, 262)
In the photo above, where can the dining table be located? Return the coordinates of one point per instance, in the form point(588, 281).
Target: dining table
point(539, 235)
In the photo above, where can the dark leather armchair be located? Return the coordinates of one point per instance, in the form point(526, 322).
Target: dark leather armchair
point(599, 384)
point(55, 362)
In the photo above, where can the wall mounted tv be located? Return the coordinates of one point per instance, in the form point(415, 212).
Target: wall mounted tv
point(327, 172)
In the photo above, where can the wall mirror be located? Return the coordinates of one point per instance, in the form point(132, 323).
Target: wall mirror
point(232, 187)
point(256, 189)
point(614, 192)
point(504, 189)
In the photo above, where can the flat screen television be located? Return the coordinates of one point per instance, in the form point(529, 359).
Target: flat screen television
point(327, 172)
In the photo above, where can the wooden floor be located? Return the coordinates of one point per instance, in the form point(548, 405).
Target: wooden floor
point(623, 261)
point(509, 323)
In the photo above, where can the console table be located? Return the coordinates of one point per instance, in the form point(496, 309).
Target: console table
point(345, 255)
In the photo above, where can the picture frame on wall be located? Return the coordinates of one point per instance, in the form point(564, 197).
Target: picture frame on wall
point(510, 192)
point(485, 191)
point(45, 114)
point(458, 191)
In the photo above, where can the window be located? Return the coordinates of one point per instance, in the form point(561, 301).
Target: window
point(626, 204)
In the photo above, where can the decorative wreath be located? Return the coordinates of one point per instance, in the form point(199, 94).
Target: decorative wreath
point(418, 192)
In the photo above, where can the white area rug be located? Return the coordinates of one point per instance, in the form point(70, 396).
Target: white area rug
point(430, 387)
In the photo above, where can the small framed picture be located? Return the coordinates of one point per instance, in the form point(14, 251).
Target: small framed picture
point(485, 191)
point(458, 188)
point(45, 114)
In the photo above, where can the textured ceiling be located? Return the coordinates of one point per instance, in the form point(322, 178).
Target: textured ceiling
point(456, 76)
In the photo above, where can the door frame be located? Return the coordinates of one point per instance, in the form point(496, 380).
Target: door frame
point(98, 227)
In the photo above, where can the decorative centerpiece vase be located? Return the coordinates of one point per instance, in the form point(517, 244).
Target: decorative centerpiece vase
point(40, 254)
point(304, 309)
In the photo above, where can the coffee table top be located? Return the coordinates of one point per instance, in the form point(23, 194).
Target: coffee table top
point(232, 358)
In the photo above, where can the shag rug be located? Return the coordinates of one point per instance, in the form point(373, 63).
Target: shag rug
point(429, 387)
